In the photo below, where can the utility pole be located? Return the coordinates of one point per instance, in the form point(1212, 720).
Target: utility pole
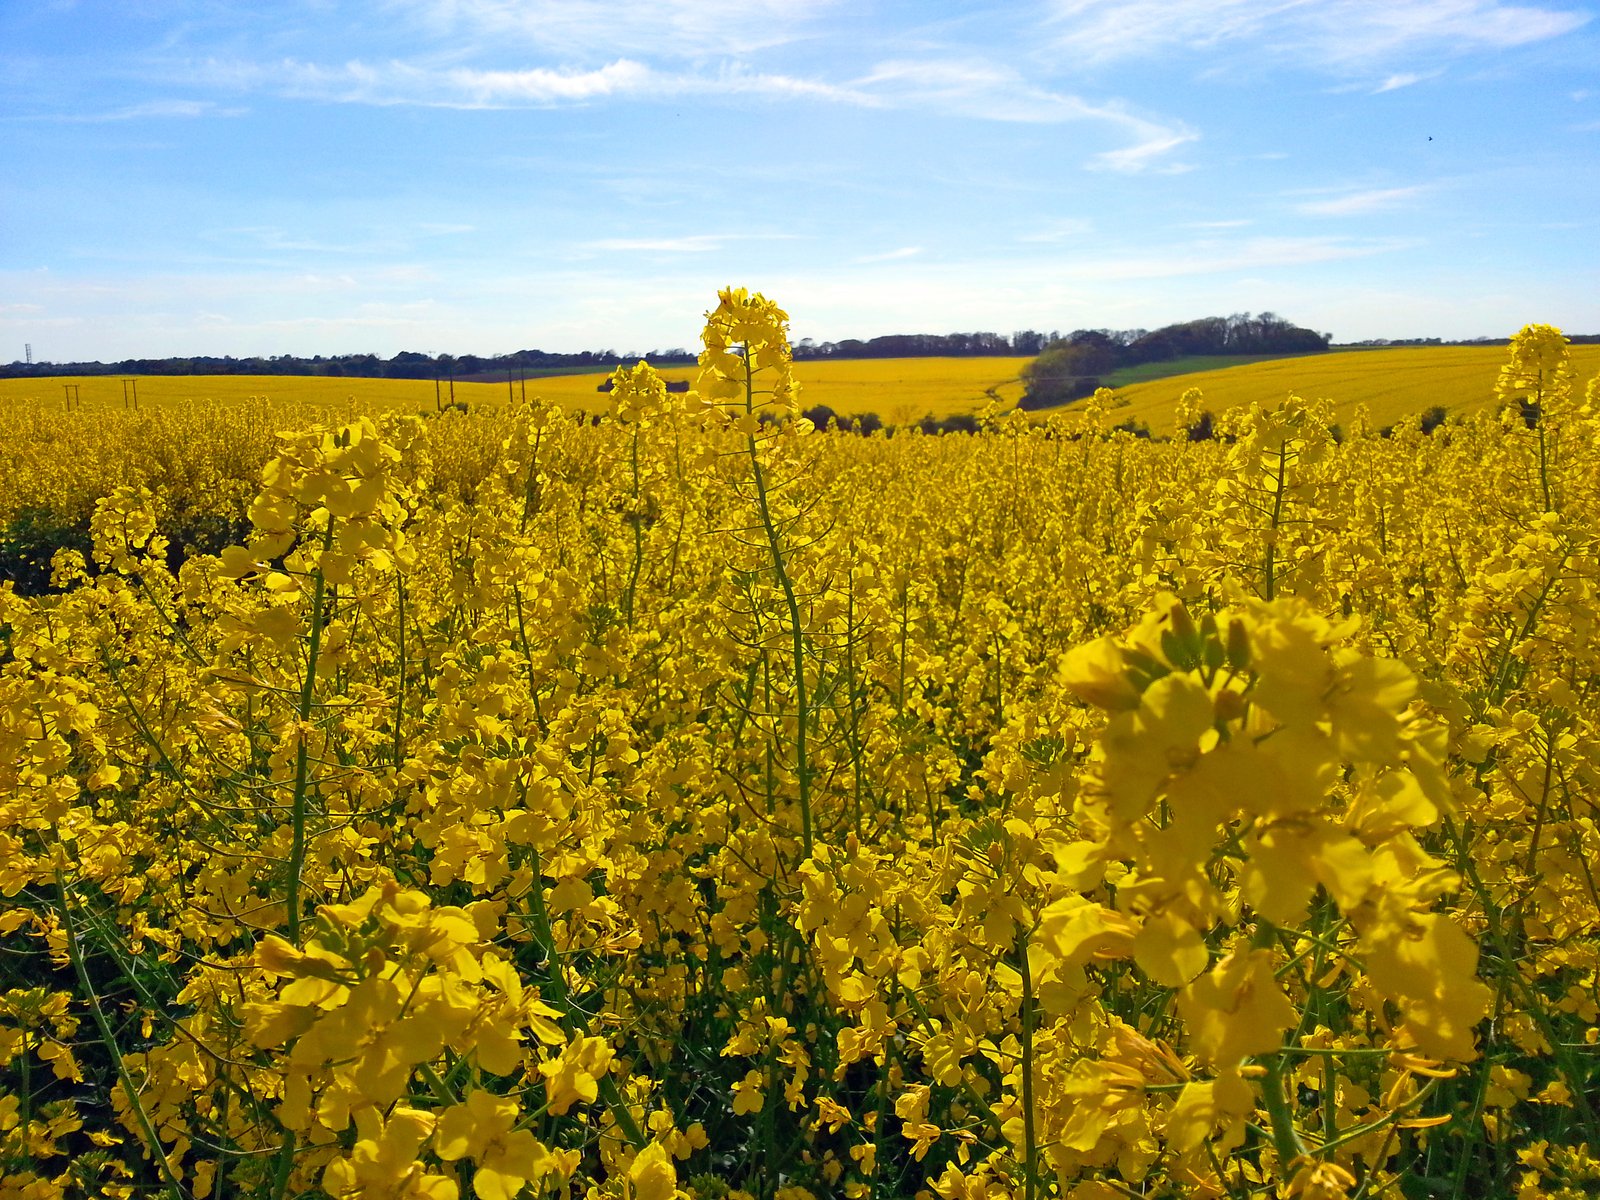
point(132, 393)
point(70, 392)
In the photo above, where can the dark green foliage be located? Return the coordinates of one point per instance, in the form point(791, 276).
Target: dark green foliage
point(868, 423)
point(824, 418)
point(192, 533)
point(958, 423)
point(30, 539)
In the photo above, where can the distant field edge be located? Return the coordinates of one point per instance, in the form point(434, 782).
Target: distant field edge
point(1393, 382)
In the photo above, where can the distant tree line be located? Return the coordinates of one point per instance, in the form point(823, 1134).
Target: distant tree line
point(928, 345)
point(1074, 366)
point(409, 364)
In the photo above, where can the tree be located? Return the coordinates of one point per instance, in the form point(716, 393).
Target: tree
point(1065, 371)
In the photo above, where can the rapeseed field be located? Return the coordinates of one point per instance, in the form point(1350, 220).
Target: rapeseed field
point(695, 806)
point(900, 390)
point(1390, 383)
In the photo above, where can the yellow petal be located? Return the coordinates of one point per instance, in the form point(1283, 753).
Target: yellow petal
point(1170, 950)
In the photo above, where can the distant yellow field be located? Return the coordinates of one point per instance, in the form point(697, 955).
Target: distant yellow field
point(1392, 383)
point(313, 390)
point(903, 389)
point(899, 389)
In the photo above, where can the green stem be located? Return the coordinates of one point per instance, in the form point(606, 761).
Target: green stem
point(1030, 1161)
point(802, 762)
point(25, 1107)
point(1277, 518)
point(297, 846)
point(573, 1016)
point(1544, 464)
point(1285, 1138)
point(109, 1041)
point(400, 691)
point(636, 519)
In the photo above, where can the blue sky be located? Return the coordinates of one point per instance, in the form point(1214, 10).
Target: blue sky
point(479, 176)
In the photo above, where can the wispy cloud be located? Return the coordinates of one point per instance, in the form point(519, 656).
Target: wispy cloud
point(1342, 33)
point(1059, 231)
point(1389, 83)
point(695, 243)
point(970, 88)
point(981, 89)
point(269, 244)
point(1404, 79)
point(661, 28)
point(409, 83)
point(1144, 155)
point(1237, 223)
point(1206, 257)
point(891, 255)
point(1354, 204)
point(146, 110)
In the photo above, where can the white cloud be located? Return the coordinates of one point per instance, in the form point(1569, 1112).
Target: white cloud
point(359, 82)
point(976, 88)
point(1403, 80)
point(1389, 83)
point(670, 28)
point(969, 88)
point(409, 83)
point(1142, 154)
point(1353, 204)
point(1338, 33)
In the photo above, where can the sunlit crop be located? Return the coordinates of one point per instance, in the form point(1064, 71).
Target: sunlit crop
point(1390, 384)
point(899, 390)
point(697, 804)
